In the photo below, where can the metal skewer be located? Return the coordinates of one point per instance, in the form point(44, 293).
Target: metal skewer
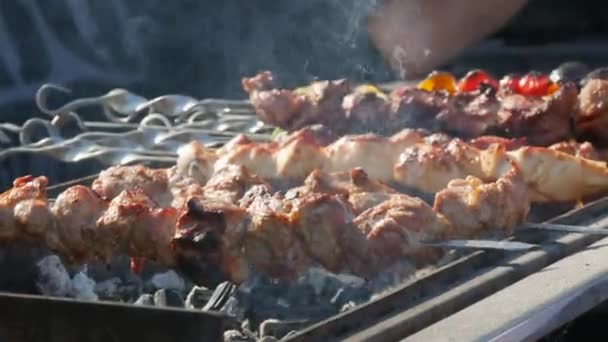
point(512, 246)
point(567, 228)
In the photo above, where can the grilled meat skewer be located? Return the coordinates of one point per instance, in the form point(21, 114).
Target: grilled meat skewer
point(264, 231)
point(408, 158)
point(348, 110)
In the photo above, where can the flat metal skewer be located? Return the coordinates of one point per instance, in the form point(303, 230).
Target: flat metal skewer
point(512, 246)
point(567, 228)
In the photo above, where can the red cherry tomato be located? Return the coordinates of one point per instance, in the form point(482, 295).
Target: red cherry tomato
point(534, 84)
point(474, 79)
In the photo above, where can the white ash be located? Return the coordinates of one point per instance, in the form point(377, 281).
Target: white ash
point(237, 336)
point(109, 288)
point(168, 297)
point(396, 274)
point(198, 297)
point(279, 328)
point(52, 277)
point(320, 279)
point(83, 287)
point(145, 299)
point(168, 280)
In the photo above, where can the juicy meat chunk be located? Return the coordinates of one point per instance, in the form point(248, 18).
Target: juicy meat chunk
point(542, 121)
point(135, 224)
point(591, 121)
point(470, 114)
point(114, 180)
point(76, 211)
point(396, 228)
point(582, 150)
point(294, 109)
point(473, 207)
point(23, 208)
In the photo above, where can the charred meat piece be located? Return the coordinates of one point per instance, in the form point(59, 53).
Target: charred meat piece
point(470, 114)
point(320, 102)
point(591, 121)
point(542, 122)
point(473, 207)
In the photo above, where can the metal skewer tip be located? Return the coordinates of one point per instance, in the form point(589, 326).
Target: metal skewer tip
point(512, 246)
point(567, 228)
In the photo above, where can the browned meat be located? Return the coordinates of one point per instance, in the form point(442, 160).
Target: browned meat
point(415, 108)
point(24, 208)
point(398, 226)
point(364, 106)
point(266, 233)
point(582, 150)
point(470, 114)
point(313, 104)
point(409, 159)
point(484, 142)
point(114, 180)
point(76, 212)
point(473, 207)
point(134, 224)
point(542, 122)
point(591, 121)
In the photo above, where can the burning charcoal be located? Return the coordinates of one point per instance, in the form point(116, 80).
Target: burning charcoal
point(168, 297)
point(145, 299)
point(108, 289)
point(83, 287)
point(198, 297)
point(350, 294)
point(236, 336)
point(278, 328)
point(168, 280)
point(52, 277)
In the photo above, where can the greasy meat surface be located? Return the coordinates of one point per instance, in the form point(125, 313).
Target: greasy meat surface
point(114, 180)
point(542, 120)
point(430, 167)
point(473, 207)
point(295, 109)
point(582, 150)
point(133, 223)
point(24, 207)
point(346, 222)
point(591, 120)
point(76, 211)
point(470, 114)
point(420, 163)
point(397, 226)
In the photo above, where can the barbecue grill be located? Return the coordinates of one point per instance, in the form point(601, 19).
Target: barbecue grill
point(71, 149)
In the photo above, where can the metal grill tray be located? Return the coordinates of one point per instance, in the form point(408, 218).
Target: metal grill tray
point(28, 318)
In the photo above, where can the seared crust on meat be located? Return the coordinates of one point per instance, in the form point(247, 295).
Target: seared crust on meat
point(541, 120)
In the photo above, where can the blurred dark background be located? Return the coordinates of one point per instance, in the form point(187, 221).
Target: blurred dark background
point(203, 48)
